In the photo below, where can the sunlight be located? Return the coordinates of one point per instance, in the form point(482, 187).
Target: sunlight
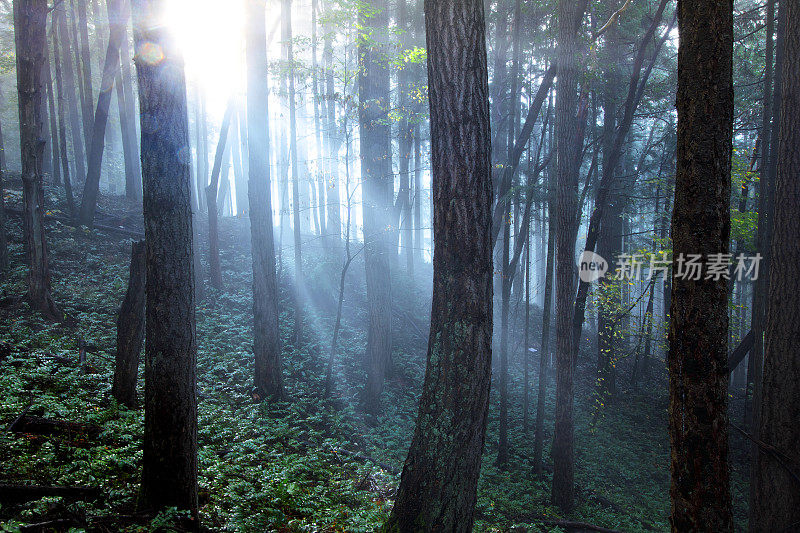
point(211, 37)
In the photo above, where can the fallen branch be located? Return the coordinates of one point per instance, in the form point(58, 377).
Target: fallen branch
point(737, 355)
point(60, 523)
point(69, 222)
point(49, 427)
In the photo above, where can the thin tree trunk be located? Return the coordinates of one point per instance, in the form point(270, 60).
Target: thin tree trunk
point(118, 17)
point(698, 358)
point(130, 330)
point(52, 146)
point(211, 199)
point(438, 487)
point(267, 344)
point(169, 462)
point(544, 353)
point(62, 123)
point(133, 189)
point(78, 142)
point(85, 73)
point(286, 14)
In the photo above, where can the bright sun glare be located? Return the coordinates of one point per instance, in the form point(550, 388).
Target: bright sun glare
point(211, 37)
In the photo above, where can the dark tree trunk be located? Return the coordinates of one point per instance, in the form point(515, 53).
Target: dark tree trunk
point(30, 32)
point(418, 244)
point(698, 334)
point(130, 330)
point(544, 353)
point(61, 106)
point(568, 147)
point(378, 185)
point(211, 200)
point(3, 239)
point(118, 18)
point(266, 344)
point(766, 201)
point(777, 498)
point(438, 488)
point(78, 142)
point(169, 463)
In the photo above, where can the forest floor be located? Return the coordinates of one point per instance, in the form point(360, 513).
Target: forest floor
point(308, 464)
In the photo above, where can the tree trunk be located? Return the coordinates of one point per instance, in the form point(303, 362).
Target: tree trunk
point(118, 18)
point(377, 187)
point(30, 32)
point(133, 183)
point(85, 73)
point(78, 142)
point(267, 344)
point(698, 358)
point(169, 462)
point(544, 353)
point(51, 156)
point(568, 147)
point(211, 199)
point(438, 487)
point(766, 202)
point(297, 198)
point(777, 498)
point(130, 330)
point(62, 123)
point(334, 223)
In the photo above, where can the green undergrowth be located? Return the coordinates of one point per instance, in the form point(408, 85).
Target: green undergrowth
point(307, 464)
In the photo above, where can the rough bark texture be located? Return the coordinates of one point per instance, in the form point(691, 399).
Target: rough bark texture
point(568, 147)
point(766, 201)
point(266, 343)
point(438, 488)
point(378, 185)
point(30, 18)
point(169, 463)
point(777, 493)
point(118, 18)
point(698, 359)
point(130, 330)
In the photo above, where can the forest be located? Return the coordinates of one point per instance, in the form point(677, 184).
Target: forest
point(399, 266)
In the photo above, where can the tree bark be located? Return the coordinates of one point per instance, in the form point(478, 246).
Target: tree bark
point(769, 171)
point(30, 33)
point(777, 493)
point(169, 463)
point(568, 147)
point(377, 190)
point(130, 330)
point(438, 487)
point(266, 344)
point(698, 358)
